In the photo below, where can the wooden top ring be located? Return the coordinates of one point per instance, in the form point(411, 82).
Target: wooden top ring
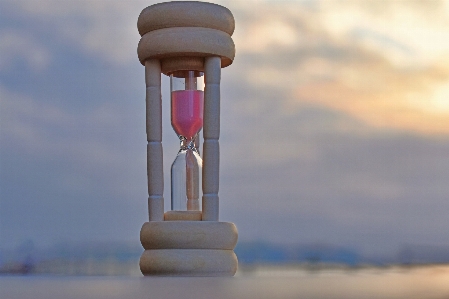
point(185, 14)
point(186, 42)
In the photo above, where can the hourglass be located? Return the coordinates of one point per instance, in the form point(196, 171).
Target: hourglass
point(190, 42)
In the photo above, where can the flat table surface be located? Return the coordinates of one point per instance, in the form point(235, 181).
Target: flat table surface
point(392, 282)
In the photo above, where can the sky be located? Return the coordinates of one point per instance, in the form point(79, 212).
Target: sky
point(334, 123)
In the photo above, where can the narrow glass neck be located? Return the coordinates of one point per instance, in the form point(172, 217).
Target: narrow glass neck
point(186, 144)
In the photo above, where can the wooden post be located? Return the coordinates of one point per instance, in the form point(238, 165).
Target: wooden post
point(211, 133)
point(155, 170)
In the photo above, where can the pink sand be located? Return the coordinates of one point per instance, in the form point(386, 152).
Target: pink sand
point(187, 112)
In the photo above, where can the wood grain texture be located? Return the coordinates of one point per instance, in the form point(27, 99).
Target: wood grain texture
point(211, 133)
point(211, 207)
point(155, 171)
point(156, 208)
point(188, 235)
point(187, 42)
point(185, 14)
point(188, 262)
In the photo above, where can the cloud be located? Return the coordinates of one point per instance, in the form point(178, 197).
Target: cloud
point(356, 189)
point(407, 32)
point(19, 46)
point(104, 29)
point(348, 58)
point(384, 97)
point(66, 170)
point(330, 53)
point(324, 134)
point(41, 129)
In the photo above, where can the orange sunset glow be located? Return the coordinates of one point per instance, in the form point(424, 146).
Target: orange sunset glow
point(384, 63)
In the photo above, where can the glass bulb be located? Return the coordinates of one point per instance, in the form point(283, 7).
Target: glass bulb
point(187, 102)
point(186, 179)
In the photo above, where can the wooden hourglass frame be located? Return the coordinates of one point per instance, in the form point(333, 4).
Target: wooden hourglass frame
point(177, 37)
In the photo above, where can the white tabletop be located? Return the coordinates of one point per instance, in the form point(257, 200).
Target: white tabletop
point(392, 282)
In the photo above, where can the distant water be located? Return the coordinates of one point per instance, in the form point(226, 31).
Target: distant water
point(269, 282)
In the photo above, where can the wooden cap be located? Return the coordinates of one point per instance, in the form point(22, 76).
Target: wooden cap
point(185, 14)
point(187, 29)
point(188, 262)
point(186, 42)
point(188, 235)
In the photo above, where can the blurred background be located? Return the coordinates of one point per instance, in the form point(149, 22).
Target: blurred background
point(334, 134)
